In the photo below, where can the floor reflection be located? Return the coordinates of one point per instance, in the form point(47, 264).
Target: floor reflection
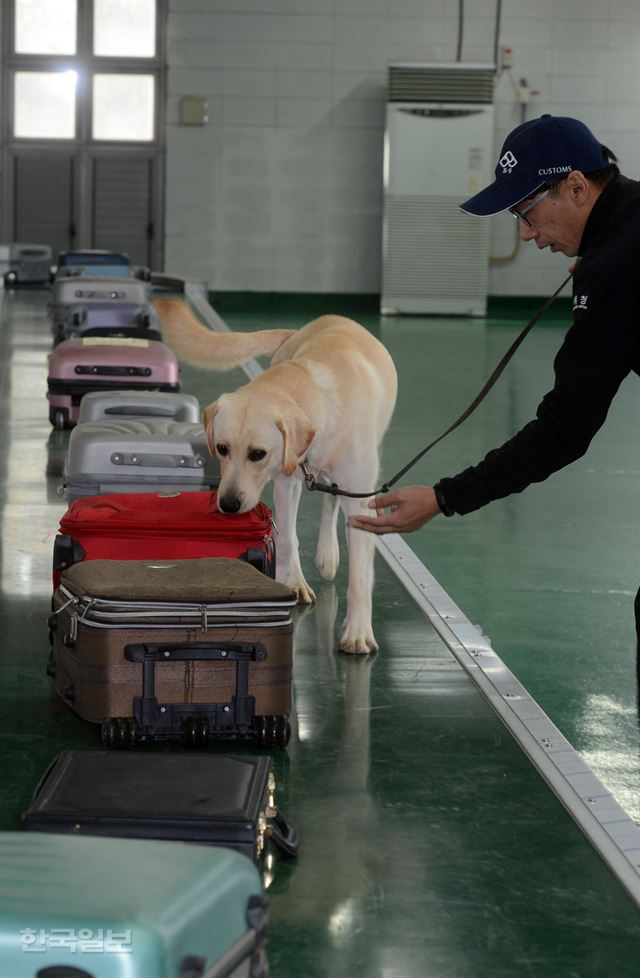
point(338, 867)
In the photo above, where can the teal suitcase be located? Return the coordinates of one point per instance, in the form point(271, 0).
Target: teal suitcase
point(127, 908)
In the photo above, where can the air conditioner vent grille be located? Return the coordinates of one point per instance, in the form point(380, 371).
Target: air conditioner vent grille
point(427, 241)
point(433, 83)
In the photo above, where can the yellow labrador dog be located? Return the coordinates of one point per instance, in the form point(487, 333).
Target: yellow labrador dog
point(327, 398)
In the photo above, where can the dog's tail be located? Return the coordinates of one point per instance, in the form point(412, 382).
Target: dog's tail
point(203, 347)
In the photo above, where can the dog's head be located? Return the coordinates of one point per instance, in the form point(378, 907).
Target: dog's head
point(254, 443)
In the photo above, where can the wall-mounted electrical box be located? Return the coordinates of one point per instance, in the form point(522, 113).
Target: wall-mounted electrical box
point(194, 111)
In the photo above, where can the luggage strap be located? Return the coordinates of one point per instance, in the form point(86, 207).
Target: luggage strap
point(285, 837)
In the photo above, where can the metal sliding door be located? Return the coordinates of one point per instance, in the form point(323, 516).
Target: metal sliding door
point(43, 200)
point(122, 193)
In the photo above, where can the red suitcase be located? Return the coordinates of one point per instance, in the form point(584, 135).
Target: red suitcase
point(161, 526)
point(99, 363)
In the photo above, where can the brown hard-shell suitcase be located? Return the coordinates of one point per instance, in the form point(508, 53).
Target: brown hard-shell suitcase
point(194, 650)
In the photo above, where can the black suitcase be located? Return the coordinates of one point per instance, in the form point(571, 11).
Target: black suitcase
point(207, 799)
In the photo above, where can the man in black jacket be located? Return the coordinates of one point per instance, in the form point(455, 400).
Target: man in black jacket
point(566, 192)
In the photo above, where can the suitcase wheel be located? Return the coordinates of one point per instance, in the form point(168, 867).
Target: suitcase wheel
point(259, 964)
point(51, 665)
point(59, 418)
point(257, 558)
point(118, 733)
point(192, 967)
point(272, 731)
point(196, 731)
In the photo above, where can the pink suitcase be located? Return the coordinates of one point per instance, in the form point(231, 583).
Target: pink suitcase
point(91, 363)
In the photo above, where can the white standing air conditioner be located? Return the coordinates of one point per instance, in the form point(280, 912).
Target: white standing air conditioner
point(438, 152)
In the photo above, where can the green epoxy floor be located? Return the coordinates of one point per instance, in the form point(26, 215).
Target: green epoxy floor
point(430, 847)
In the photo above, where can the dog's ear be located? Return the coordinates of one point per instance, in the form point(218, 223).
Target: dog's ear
point(297, 435)
point(208, 415)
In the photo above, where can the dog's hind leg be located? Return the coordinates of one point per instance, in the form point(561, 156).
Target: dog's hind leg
point(286, 496)
point(328, 550)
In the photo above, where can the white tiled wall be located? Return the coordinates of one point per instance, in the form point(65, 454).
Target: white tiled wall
point(282, 190)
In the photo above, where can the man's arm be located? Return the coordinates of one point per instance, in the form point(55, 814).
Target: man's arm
point(599, 350)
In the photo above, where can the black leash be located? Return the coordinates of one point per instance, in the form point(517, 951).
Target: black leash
point(312, 484)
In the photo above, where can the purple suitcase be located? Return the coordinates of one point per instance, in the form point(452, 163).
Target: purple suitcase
point(92, 363)
point(71, 297)
point(111, 319)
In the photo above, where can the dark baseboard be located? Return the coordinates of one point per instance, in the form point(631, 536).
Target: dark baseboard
point(310, 304)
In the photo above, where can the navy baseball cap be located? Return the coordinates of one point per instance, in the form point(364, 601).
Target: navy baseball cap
point(537, 152)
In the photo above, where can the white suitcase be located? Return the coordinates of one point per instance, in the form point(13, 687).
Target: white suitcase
point(130, 405)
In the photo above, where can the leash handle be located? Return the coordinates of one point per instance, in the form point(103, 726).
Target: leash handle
point(312, 484)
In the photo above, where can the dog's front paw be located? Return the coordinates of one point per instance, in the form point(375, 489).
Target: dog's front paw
point(328, 558)
point(357, 641)
point(304, 593)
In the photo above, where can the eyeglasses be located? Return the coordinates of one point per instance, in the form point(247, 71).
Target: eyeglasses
point(521, 215)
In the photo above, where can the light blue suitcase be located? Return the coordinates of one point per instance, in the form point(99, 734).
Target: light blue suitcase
point(94, 262)
point(128, 908)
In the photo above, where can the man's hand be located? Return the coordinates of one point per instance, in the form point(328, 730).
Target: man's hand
point(408, 510)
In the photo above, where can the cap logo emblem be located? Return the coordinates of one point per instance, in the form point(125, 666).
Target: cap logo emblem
point(507, 162)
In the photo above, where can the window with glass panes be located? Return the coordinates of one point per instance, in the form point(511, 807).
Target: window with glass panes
point(83, 80)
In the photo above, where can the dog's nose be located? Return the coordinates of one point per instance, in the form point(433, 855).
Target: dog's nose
point(230, 504)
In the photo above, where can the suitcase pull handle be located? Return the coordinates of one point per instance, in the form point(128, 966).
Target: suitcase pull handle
point(285, 837)
point(63, 971)
point(149, 410)
point(231, 652)
point(43, 780)
point(158, 720)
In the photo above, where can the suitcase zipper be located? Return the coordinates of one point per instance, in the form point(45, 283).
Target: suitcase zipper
point(175, 532)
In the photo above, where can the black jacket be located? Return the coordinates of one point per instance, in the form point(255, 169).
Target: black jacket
point(600, 348)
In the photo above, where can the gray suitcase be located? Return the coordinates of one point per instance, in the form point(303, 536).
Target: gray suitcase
point(137, 456)
point(5, 257)
point(29, 264)
point(138, 405)
point(69, 291)
point(128, 908)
